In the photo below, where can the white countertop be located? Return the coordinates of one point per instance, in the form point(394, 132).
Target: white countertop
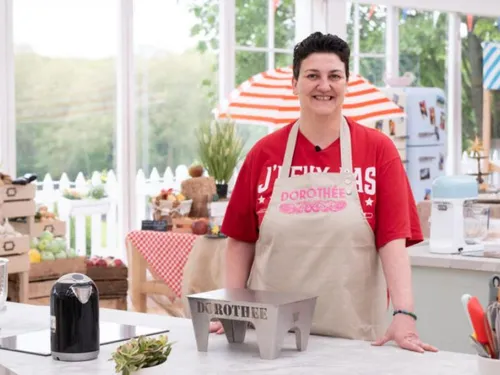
point(420, 256)
point(324, 355)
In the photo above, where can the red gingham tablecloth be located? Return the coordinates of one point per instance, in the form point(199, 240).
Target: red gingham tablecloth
point(166, 253)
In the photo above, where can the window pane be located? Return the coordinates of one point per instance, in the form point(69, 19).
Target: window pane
point(373, 70)
point(65, 86)
point(372, 21)
point(251, 23)
point(422, 47)
point(483, 30)
point(174, 77)
point(248, 64)
point(284, 25)
point(283, 59)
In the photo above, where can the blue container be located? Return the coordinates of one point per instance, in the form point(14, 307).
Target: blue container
point(455, 187)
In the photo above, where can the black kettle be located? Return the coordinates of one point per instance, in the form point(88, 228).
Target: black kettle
point(74, 318)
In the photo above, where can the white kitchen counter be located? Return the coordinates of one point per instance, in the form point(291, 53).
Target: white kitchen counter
point(421, 257)
point(324, 355)
point(439, 281)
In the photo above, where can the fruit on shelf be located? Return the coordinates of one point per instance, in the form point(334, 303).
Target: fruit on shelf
point(73, 194)
point(98, 261)
point(35, 256)
point(5, 179)
point(195, 171)
point(200, 226)
point(52, 248)
point(169, 195)
point(43, 215)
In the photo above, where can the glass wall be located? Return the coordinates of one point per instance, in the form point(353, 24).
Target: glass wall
point(366, 25)
point(65, 84)
point(423, 46)
point(475, 31)
point(175, 66)
point(265, 35)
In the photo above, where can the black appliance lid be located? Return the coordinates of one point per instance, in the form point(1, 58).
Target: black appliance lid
point(74, 278)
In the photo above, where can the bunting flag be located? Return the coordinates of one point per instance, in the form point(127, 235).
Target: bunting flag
point(268, 99)
point(404, 14)
point(372, 10)
point(470, 22)
point(491, 66)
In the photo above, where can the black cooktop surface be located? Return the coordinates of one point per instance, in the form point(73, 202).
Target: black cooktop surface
point(38, 342)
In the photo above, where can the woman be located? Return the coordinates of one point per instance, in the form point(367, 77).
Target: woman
point(323, 206)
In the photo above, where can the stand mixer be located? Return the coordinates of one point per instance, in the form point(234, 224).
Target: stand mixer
point(458, 223)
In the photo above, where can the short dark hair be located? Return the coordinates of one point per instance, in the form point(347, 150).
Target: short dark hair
point(320, 43)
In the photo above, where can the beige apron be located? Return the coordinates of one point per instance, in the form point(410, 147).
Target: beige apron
point(317, 241)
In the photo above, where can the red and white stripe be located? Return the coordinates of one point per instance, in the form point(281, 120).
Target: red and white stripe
point(267, 99)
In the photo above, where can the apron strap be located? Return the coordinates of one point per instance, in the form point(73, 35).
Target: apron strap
point(290, 148)
point(345, 149)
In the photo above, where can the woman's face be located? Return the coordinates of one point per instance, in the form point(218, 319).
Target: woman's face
point(322, 84)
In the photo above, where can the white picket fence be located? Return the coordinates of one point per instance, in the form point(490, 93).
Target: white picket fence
point(103, 228)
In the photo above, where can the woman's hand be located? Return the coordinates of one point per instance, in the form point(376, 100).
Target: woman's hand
point(404, 332)
point(216, 327)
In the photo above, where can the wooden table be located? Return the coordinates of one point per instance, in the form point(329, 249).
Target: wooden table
point(199, 269)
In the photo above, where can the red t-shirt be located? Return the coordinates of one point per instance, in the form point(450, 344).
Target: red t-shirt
point(382, 184)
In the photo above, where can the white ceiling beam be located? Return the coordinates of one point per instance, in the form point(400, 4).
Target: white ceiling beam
point(485, 8)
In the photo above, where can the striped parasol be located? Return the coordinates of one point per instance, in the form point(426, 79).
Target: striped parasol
point(267, 99)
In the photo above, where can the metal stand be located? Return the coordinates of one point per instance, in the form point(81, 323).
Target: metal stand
point(272, 314)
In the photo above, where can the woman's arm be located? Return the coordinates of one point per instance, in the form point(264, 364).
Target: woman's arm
point(397, 270)
point(239, 259)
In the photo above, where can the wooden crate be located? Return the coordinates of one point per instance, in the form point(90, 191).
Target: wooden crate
point(18, 269)
point(97, 273)
point(42, 288)
point(54, 269)
point(18, 209)
point(14, 245)
point(12, 193)
point(17, 201)
point(36, 289)
point(109, 302)
point(17, 263)
point(56, 227)
point(112, 287)
point(114, 302)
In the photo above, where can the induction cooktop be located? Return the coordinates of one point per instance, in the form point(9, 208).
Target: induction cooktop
point(38, 342)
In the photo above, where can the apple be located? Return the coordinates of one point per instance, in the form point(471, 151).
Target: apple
point(195, 171)
point(118, 263)
point(101, 263)
point(199, 227)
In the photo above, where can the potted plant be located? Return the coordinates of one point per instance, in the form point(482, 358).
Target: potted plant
point(142, 355)
point(220, 150)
